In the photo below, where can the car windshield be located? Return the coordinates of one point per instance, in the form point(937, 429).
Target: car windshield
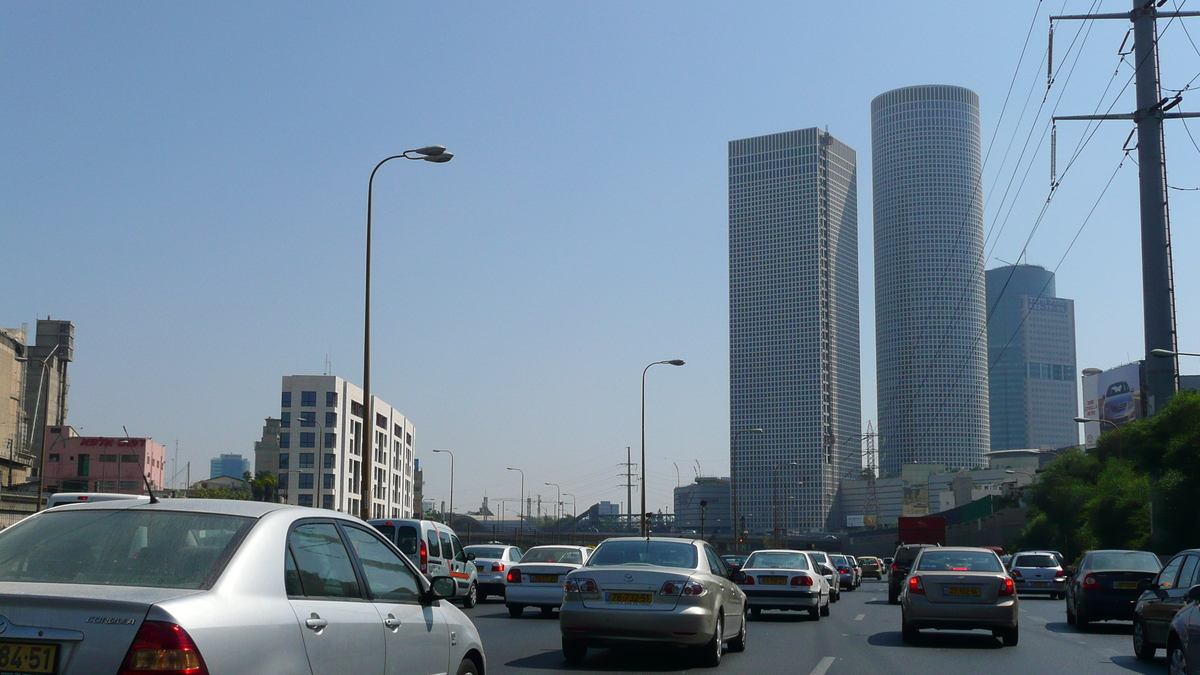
point(493, 552)
point(128, 547)
point(1130, 561)
point(658, 553)
point(958, 561)
point(553, 554)
point(1039, 560)
point(777, 561)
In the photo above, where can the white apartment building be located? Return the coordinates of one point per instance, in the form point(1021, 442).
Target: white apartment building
point(319, 460)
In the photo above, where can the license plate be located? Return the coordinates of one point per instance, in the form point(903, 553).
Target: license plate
point(1125, 584)
point(1040, 583)
point(773, 581)
point(629, 598)
point(965, 591)
point(16, 657)
point(479, 568)
point(544, 578)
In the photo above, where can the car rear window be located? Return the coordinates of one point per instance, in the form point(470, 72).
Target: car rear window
point(485, 551)
point(406, 539)
point(905, 556)
point(839, 560)
point(933, 560)
point(1131, 561)
point(1035, 561)
point(550, 554)
point(127, 547)
point(778, 561)
point(658, 553)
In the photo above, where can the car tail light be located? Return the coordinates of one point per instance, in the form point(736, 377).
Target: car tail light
point(694, 589)
point(748, 581)
point(1090, 581)
point(1009, 588)
point(673, 587)
point(915, 585)
point(844, 570)
point(1016, 573)
point(424, 557)
point(497, 567)
point(514, 576)
point(588, 586)
point(802, 581)
point(570, 586)
point(162, 648)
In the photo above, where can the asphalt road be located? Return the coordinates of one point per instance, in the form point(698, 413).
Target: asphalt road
point(862, 635)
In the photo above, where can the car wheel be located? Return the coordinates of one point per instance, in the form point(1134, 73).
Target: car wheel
point(1010, 636)
point(908, 633)
point(468, 667)
point(515, 611)
point(893, 598)
point(471, 597)
point(574, 651)
point(1141, 647)
point(710, 654)
point(738, 644)
point(756, 612)
point(825, 609)
point(1082, 621)
point(1176, 659)
point(815, 613)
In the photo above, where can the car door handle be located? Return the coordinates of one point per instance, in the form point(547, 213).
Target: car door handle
point(391, 622)
point(315, 622)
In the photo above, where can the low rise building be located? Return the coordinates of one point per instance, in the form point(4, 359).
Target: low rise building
point(704, 503)
point(77, 463)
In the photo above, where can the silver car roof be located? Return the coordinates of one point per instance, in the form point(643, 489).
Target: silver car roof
point(233, 507)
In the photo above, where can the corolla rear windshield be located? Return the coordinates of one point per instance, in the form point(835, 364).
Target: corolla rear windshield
point(125, 547)
point(552, 554)
point(778, 561)
point(657, 553)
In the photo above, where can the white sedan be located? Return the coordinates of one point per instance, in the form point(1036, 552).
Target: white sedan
point(784, 579)
point(537, 580)
point(218, 587)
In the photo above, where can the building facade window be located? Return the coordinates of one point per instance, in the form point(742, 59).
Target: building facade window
point(331, 399)
point(330, 461)
point(282, 483)
point(327, 481)
point(381, 421)
point(304, 500)
point(52, 457)
point(307, 439)
point(286, 401)
point(285, 460)
point(306, 460)
point(306, 481)
point(330, 440)
point(285, 440)
point(308, 399)
point(327, 502)
point(356, 409)
point(308, 419)
point(285, 420)
point(331, 419)
point(129, 459)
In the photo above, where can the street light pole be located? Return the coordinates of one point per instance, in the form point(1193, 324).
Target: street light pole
point(556, 487)
point(521, 521)
point(574, 515)
point(733, 477)
point(672, 362)
point(431, 153)
point(451, 522)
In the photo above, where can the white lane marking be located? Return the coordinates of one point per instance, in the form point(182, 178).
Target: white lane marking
point(859, 617)
point(823, 666)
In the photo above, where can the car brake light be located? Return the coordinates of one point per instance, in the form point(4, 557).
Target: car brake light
point(162, 648)
point(844, 570)
point(1090, 581)
point(694, 589)
point(915, 586)
point(1016, 573)
point(424, 554)
point(673, 587)
point(514, 576)
point(748, 581)
point(1009, 588)
point(497, 567)
point(802, 581)
point(895, 567)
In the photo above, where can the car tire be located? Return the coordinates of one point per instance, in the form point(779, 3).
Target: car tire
point(515, 611)
point(738, 644)
point(1070, 615)
point(1142, 648)
point(893, 598)
point(1083, 622)
point(574, 651)
point(1176, 659)
point(756, 612)
point(1010, 636)
point(825, 609)
point(471, 598)
point(468, 667)
point(709, 655)
point(815, 613)
point(908, 633)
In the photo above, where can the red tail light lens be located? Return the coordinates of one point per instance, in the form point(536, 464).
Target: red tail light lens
point(497, 567)
point(514, 576)
point(673, 587)
point(1016, 574)
point(694, 589)
point(1009, 588)
point(802, 581)
point(424, 557)
point(915, 586)
point(895, 567)
point(1090, 581)
point(748, 581)
point(162, 648)
point(844, 570)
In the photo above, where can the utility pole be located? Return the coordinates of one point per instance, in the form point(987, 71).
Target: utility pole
point(872, 468)
point(1158, 292)
point(628, 474)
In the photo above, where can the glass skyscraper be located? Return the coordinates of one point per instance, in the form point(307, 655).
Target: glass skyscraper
point(1031, 353)
point(793, 327)
point(930, 322)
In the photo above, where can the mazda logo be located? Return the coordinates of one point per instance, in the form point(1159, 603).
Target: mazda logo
point(628, 577)
point(3, 624)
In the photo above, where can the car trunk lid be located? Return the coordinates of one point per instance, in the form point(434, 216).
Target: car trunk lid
point(961, 587)
point(544, 573)
point(633, 588)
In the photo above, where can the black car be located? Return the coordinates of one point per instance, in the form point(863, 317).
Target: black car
point(1105, 585)
point(1183, 642)
point(901, 564)
point(1161, 600)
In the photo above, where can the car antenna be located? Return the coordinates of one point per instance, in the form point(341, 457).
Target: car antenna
point(146, 479)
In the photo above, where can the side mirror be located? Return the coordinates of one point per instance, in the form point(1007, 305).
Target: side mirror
point(470, 556)
point(1194, 594)
point(441, 588)
point(1146, 585)
point(737, 576)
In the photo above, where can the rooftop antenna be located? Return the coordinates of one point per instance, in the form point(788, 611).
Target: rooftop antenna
point(145, 477)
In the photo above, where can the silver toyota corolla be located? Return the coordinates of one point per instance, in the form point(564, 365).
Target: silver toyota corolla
point(209, 587)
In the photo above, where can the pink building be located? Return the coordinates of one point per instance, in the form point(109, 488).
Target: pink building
point(101, 464)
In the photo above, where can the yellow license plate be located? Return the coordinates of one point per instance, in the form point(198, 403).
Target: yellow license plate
point(1124, 584)
point(962, 591)
point(544, 578)
point(16, 657)
point(631, 598)
point(773, 581)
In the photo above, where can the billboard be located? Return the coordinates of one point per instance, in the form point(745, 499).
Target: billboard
point(1115, 395)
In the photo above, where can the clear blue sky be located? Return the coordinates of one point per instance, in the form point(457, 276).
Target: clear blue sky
point(187, 183)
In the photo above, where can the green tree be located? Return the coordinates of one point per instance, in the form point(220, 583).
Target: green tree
point(263, 487)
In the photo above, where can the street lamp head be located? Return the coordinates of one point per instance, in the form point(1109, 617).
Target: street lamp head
point(675, 362)
point(1163, 353)
point(430, 150)
point(435, 450)
point(755, 430)
point(1084, 420)
point(509, 468)
point(440, 159)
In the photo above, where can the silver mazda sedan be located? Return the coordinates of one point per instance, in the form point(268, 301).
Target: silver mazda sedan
point(653, 590)
point(959, 589)
point(213, 587)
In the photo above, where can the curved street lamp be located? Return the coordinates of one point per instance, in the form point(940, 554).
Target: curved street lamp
point(430, 153)
point(672, 362)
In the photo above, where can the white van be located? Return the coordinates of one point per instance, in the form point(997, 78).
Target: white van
point(64, 498)
point(434, 548)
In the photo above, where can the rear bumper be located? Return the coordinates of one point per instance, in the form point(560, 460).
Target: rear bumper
point(528, 594)
point(1101, 607)
point(763, 599)
point(1026, 587)
point(686, 626)
point(921, 613)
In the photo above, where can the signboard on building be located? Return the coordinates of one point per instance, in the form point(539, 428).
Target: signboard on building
point(1115, 396)
point(856, 521)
